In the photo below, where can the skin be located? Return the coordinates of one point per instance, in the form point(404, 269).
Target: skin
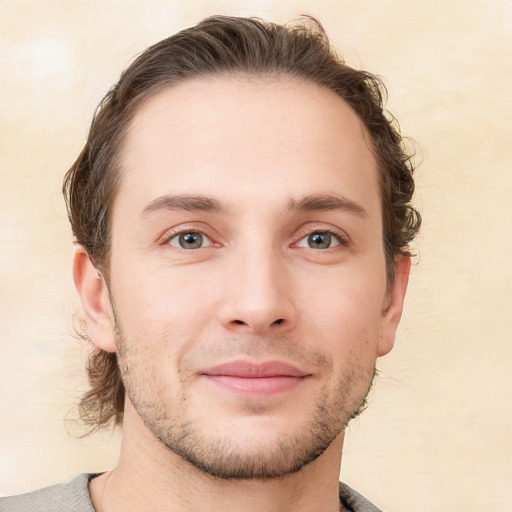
point(273, 165)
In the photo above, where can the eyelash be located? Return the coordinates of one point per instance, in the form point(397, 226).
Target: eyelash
point(170, 235)
point(342, 241)
point(166, 239)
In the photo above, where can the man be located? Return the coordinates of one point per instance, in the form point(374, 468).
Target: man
point(242, 217)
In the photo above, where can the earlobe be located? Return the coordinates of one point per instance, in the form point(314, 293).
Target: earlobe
point(93, 292)
point(394, 304)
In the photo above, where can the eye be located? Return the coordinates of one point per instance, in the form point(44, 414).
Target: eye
point(320, 240)
point(190, 240)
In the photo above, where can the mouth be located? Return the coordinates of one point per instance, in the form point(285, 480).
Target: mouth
point(258, 379)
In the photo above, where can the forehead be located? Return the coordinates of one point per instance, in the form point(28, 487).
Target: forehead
point(247, 139)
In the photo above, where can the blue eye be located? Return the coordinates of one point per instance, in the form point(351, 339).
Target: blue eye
point(319, 240)
point(190, 240)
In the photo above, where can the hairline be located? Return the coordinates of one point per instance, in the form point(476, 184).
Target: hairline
point(247, 76)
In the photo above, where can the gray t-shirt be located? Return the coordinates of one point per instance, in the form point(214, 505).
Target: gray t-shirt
point(74, 496)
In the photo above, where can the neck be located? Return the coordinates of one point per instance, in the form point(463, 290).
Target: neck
point(151, 477)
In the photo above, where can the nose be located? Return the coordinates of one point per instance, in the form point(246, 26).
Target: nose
point(258, 296)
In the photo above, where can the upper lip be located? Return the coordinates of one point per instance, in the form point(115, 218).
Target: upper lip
point(248, 369)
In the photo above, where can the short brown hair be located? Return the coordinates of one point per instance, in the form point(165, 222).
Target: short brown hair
point(228, 46)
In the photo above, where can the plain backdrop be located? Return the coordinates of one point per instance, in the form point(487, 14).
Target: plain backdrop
point(437, 434)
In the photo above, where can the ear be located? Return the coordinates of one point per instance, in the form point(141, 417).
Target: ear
point(394, 303)
point(93, 293)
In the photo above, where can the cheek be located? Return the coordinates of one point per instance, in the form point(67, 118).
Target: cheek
point(342, 296)
point(163, 307)
point(345, 314)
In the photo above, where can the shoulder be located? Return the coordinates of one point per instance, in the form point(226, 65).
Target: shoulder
point(72, 496)
point(354, 501)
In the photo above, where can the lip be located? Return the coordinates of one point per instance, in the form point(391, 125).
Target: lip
point(248, 369)
point(261, 379)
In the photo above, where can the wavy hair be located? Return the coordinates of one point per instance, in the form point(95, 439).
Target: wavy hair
point(222, 45)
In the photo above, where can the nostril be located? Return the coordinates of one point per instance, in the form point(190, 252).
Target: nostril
point(279, 321)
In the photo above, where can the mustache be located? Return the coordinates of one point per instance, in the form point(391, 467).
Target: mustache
point(194, 355)
point(256, 349)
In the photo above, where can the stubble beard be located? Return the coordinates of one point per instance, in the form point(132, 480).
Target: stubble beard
point(221, 457)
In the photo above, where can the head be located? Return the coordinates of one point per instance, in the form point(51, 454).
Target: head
point(249, 73)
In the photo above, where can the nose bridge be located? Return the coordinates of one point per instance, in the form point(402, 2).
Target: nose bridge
point(259, 297)
point(262, 271)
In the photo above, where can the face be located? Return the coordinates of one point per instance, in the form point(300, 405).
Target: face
point(248, 279)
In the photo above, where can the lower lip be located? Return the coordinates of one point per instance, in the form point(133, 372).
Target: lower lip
point(262, 386)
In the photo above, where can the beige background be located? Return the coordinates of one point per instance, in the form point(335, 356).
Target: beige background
point(438, 433)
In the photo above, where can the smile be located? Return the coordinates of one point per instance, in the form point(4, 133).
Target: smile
point(261, 379)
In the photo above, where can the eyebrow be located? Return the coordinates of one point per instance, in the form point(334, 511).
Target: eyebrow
point(191, 203)
point(326, 202)
point(200, 203)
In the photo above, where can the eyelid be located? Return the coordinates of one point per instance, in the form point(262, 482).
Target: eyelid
point(310, 228)
point(204, 238)
point(304, 241)
point(191, 227)
point(302, 232)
